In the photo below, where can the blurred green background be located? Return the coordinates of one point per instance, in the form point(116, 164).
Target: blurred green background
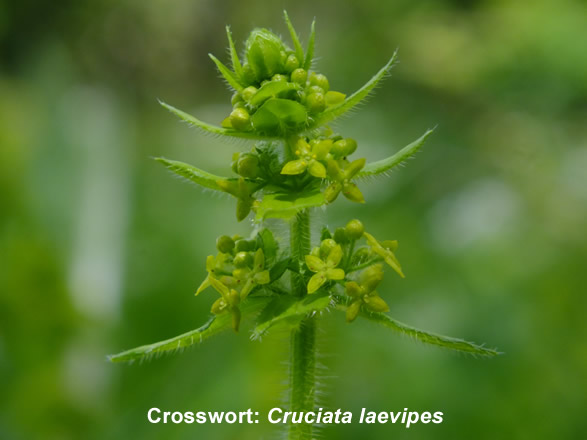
point(101, 249)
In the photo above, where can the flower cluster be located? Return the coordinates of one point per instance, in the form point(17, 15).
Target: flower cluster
point(234, 272)
point(276, 93)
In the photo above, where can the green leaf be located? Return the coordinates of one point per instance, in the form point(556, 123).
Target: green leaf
point(338, 110)
point(214, 326)
point(294, 38)
point(272, 89)
point(278, 116)
point(278, 269)
point(227, 74)
point(310, 48)
point(289, 310)
point(213, 129)
point(192, 173)
point(384, 165)
point(267, 242)
point(421, 335)
point(286, 205)
point(236, 64)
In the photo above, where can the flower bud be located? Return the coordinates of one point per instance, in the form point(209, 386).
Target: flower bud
point(219, 306)
point(243, 259)
point(315, 103)
point(376, 303)
point(245, 245)
point(314, 89)
point(248, 166)
point(279, 77)
point(344, 147)
point(353, 310)
point(372, 276)
point(264, 52)
point(249, 92)
point(317, 79)
point(334, 98)
point(354, 229)
point(299, 76)
point(326, 246)
point(224, 244)
point(340, 236)
point(240, 119)
point(292, 63)
point(236, 98)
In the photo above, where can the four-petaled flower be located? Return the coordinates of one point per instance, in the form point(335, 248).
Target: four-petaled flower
point(309, 158)
point(228, 302)
point(341, 181)
point(384, 252)
point(258, 275)
point(324, 270)
point(364, 293)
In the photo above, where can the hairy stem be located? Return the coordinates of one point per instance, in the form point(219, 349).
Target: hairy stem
point(302, 375)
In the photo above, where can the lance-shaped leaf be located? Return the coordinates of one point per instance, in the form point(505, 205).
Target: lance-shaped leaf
point(289, 310)
point(227, 74)
point(287, 205)
point(215, 325)
point(420, 335)
point(338, 110)
point(236, 64)
point(192, 173)
point(294, 37)
point(385, 165)
point(310, 48)
point(213, 129)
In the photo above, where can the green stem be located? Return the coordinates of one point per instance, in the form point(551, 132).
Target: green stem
point(302, 375)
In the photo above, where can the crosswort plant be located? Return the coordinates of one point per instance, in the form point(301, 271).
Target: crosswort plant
point(297, 163)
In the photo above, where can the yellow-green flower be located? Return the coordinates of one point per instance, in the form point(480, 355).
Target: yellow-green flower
point(385, 252)
point(341, 181)
point(213, 264)
point(228, 302)
point(364, 293)
point(324, 270)
point(257, 275)
point(309, 158)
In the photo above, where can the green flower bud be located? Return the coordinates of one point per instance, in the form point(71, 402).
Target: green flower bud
point(249, 92)
point(371, 277)
point(248, 166)
point(344, 147)
point(315, 103)
point(245, 245)
point(292, 63)
point(243, 259)
point(376, 303)
point(236, 98)
point(240, 119)
point(299, 76)
point(314, 89)
point(332, 192)
point(361, 255)
point(264, 51)
point(224, 244)
point(240, 274)
point(279, 77)
point(340, 236)
point(326, 246)
point(317, 79)
point(315, 252)
point(334, 98)
point(219, 306)
point(353, 310)
point(354, 229)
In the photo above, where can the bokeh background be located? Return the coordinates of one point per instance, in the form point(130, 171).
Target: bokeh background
point(101, 249)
